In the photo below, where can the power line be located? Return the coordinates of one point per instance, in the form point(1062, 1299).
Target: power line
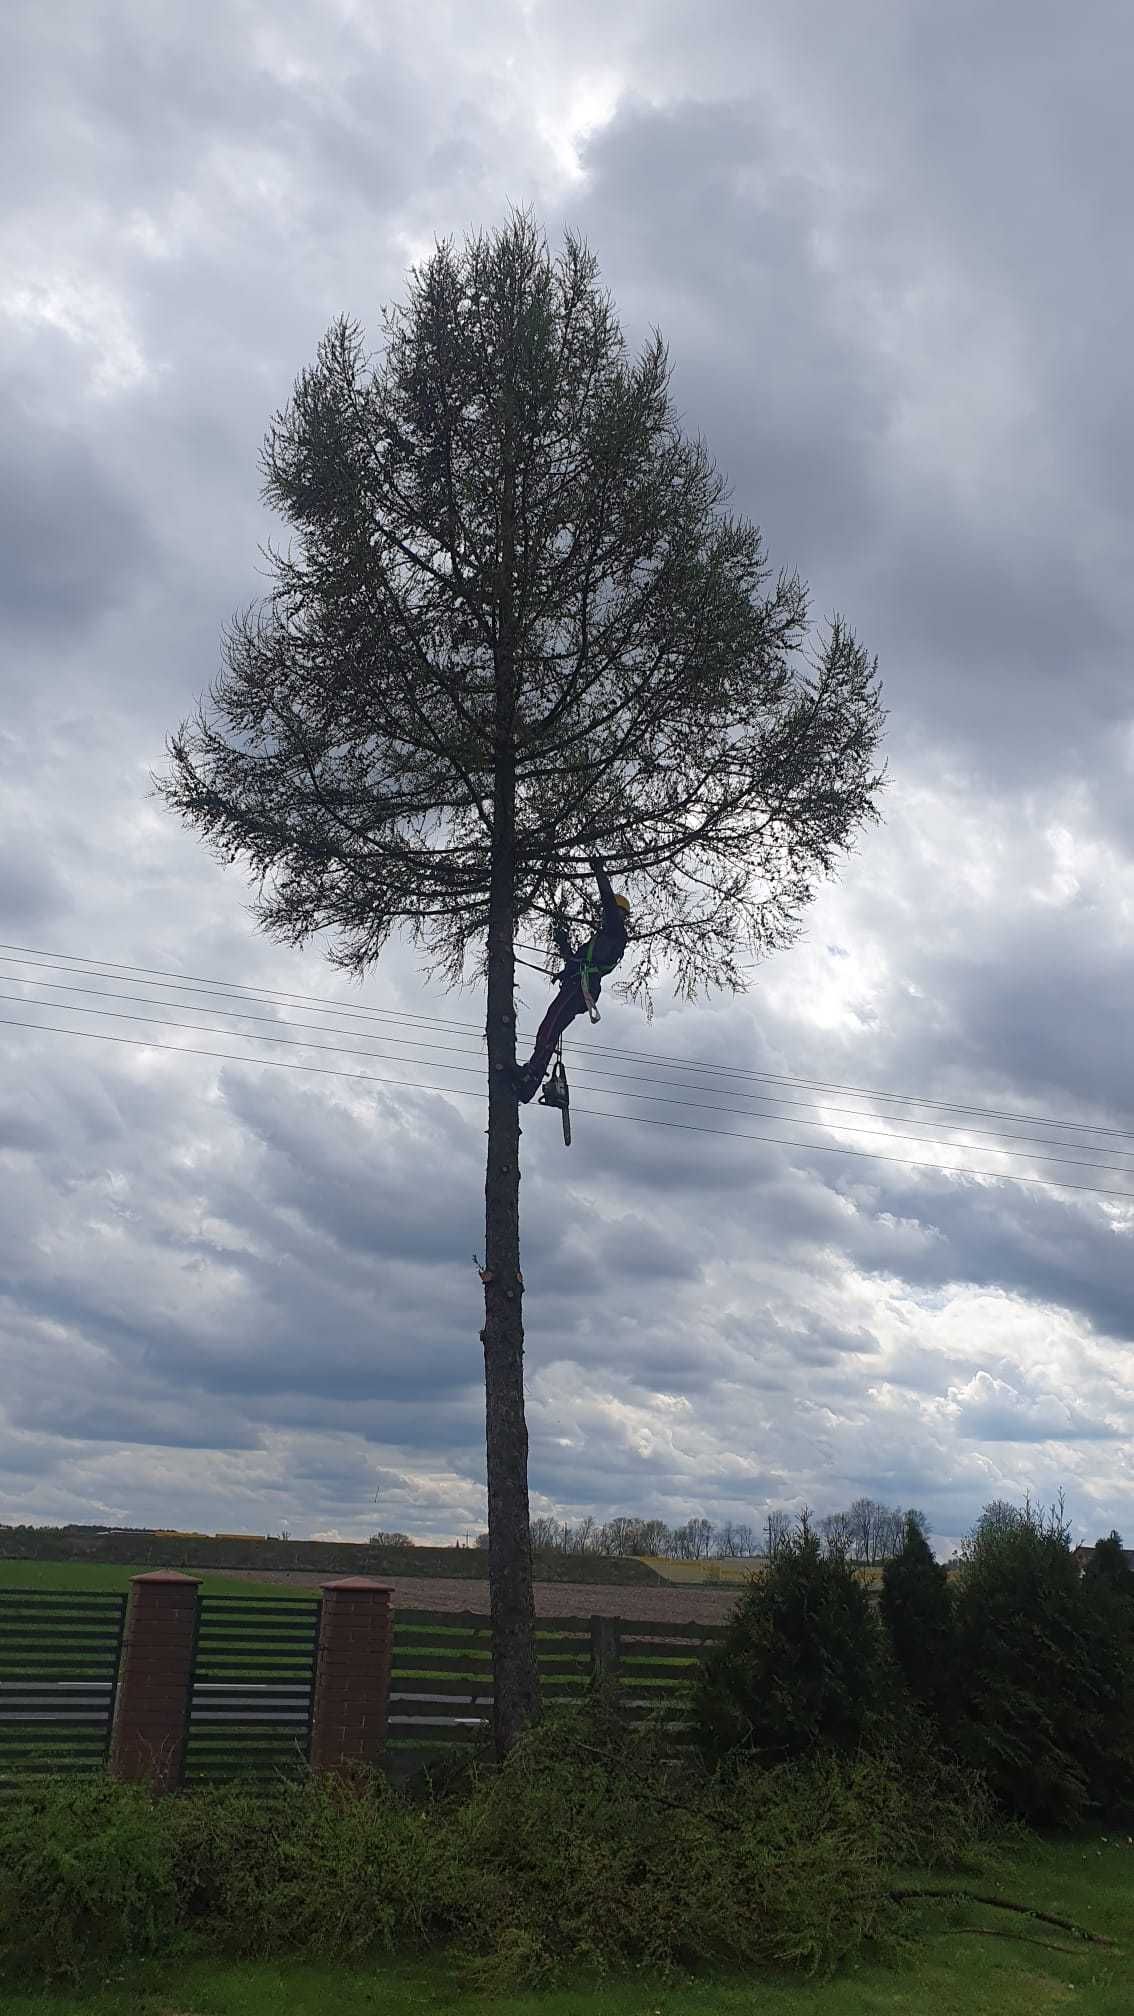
point(754, 1101)
point(235, 1014)
point(851, 1125)
point(653, 1059)
point(184, 983)
point(257, 1036)
point(592, 1112)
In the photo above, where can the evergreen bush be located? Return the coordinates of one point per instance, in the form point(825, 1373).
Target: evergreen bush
point(918, 1616)
point(801, 1669)
point(1029, 1693)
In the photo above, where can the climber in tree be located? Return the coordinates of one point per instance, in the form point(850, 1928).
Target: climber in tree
point(580, 981)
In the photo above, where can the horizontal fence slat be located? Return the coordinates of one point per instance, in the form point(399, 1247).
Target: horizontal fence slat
point(432, 1646)
point(221, 1741)
point(251, 1690)
point(201, 1719)
point(50, 1600)
point(261, 1622)
point(267, 1649)
point(409, 1686)
point(58, 1672)
point(39, 1726)
point(63, 1690)
point(254, 1672)
point(428, 1713)
point(58, 1716)
point(229, 1605)
point(455, 1732)
point(643, 1629)
point(443, 1620)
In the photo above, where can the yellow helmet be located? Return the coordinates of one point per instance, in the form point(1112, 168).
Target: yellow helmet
point(623, 903)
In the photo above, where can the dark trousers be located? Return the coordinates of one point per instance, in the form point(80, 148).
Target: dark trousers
point(566, 1005)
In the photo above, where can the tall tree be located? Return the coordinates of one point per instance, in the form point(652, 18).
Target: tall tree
point(515, 626)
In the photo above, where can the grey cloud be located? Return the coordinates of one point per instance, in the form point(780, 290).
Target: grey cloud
point(72, 544)
point(915, 387)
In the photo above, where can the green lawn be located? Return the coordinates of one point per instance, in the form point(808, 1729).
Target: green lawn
point(951, 1973)
point(87, 1576)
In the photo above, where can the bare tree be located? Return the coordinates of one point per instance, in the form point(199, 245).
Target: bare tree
point(546, 1534)
point(623, 1537)
point(890, 1532)
point(516, 626)
point(838, 1533)
point(654, 1538)
point(694, 1540)
point(777, 1527)
point(868, 1531)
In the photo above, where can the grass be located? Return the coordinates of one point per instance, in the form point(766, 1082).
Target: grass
point(700, 1574)
point(949, 1972)
point(324, 1559)
point(85, 1577)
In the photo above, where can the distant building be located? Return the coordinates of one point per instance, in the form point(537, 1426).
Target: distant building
point(1083, 1554)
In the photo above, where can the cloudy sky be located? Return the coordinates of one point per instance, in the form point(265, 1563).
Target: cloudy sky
point(889, 246)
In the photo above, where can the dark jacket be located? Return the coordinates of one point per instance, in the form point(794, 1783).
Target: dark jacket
point(602, 952)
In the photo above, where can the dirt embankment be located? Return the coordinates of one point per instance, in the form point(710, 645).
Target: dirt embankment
point(668, 1604)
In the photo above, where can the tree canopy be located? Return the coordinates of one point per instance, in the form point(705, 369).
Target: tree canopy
point(507, 483)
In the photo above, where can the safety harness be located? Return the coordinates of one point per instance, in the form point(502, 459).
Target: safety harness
point(589, 969)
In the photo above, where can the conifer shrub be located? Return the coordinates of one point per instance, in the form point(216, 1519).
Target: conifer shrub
point(1107, 1592)
point(801, 1669)
point(917, 1612)
point(1031, 1693)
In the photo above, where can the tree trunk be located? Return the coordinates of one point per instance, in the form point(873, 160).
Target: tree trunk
point(516, 1685)
point(515, 1678)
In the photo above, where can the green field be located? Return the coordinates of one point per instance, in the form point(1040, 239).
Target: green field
point(950, 1973)
point(85, 1576)
point(321, 1559)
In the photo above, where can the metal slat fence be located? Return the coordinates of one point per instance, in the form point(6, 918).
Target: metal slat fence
point(440, 1701)
point(252, 1692)
point(253, 1686)
point(59, 1657)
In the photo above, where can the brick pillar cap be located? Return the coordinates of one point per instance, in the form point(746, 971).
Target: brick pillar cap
point(360, 1583)
point(166, 1575)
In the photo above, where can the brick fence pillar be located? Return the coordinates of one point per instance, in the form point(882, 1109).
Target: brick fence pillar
point(155, 1674)
point(352, 1675)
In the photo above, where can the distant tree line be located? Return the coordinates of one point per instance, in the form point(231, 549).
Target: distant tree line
point(867, 1533)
